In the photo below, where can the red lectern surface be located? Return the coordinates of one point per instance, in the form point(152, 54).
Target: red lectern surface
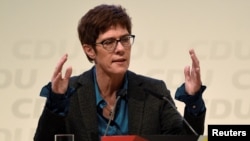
point(123, 138)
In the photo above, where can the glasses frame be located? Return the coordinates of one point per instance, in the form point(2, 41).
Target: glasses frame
point(111, 49)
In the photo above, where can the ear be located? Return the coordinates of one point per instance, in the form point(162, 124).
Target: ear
point(88, 49)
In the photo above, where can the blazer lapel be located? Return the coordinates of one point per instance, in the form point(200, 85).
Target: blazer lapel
point(136, 103)
point(87, 102)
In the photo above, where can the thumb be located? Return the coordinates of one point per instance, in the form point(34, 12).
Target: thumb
point(187, 73)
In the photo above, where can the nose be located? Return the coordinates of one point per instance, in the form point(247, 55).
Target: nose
point(119, 46)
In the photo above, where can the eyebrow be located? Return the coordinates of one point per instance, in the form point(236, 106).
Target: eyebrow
point(108, 38)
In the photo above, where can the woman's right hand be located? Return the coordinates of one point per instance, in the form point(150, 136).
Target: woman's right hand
point(60, 83)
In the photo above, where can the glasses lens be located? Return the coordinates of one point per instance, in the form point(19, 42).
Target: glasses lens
point(109, 44)
point(126, 41)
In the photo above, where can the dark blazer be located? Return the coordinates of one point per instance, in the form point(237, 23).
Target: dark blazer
point(147, 114)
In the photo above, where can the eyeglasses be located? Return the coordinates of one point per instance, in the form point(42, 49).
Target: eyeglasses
point(110, 44)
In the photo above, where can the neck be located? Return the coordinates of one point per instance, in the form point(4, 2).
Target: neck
point(108, 86)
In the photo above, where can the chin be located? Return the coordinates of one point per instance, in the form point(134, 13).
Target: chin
point(120, 70)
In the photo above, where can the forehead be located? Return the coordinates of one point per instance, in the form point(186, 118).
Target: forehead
point(114, 32)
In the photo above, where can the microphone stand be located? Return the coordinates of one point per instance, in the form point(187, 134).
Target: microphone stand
point(172, 105)
point(120, 94)
point(189, 126)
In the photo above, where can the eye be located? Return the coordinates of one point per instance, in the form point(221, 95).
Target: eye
point(108, 42)
point(125, 39)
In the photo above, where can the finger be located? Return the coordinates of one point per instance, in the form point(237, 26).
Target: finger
point(197, 74)
point(68, 72)
point(195, 67)
point(59, 66)
point(187, 73)
point(56, 81)
point(195, 60)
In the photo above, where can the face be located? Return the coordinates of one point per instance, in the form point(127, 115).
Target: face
point(114, 62)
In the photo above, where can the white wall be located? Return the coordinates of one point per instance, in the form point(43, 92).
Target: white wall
point(35, 34)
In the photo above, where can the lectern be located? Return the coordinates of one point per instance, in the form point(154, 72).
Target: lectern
point(151, 138)
point(123, 138)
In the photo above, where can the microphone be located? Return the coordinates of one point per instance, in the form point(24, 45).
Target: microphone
point(160, 96)
point(120, 93)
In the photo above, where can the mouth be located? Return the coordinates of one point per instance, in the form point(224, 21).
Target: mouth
point(119, 60)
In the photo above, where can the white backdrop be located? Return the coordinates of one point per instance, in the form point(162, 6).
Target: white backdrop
point(35, 34)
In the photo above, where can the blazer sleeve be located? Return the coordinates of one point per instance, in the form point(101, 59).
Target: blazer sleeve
point(49, 124)
point(196, 122)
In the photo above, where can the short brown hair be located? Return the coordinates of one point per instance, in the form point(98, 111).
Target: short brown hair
point(98, 20)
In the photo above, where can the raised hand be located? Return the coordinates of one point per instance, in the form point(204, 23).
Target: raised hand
point(192, 75)
point(59, 82)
